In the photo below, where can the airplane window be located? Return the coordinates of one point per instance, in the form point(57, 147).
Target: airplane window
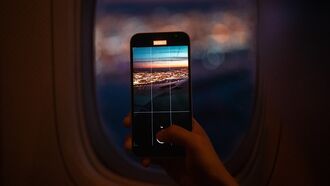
point(223, 63)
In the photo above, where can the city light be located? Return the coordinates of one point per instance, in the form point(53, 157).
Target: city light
point(161, 78)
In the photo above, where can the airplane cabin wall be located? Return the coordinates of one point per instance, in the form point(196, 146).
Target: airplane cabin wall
point(294, 55)
point(30, 154)
point(292, 60)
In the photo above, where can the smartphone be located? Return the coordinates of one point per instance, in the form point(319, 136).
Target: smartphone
point(161, 90)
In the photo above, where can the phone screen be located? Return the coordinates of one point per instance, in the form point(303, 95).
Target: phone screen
point(161, 93)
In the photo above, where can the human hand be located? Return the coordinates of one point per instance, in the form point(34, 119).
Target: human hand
point(201, 164)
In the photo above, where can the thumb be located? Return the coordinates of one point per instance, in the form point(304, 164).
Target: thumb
point(177, 135)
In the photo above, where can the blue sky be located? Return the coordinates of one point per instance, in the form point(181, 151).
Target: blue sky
point(164, 53)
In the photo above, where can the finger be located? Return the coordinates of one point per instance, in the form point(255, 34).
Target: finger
point(177, 135)
point(128, 143)
point(145, 162)
point(128, 120)
point(197, 128)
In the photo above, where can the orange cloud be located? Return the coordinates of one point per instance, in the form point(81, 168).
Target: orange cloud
point(162, 64)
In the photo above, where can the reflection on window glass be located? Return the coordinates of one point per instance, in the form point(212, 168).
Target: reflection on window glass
point(223, 61)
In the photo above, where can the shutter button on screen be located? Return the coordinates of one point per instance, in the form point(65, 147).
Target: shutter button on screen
point(160, 142)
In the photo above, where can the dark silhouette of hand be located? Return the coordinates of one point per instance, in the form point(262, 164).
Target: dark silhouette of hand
point(200, 166)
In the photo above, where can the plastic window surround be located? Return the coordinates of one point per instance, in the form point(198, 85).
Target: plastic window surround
point(80, 133)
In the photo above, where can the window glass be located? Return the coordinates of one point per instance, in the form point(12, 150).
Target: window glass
point(222, 61)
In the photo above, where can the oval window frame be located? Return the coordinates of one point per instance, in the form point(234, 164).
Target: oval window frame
point(87, 124)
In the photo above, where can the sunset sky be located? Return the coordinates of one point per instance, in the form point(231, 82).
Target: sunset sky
point(160, 57)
